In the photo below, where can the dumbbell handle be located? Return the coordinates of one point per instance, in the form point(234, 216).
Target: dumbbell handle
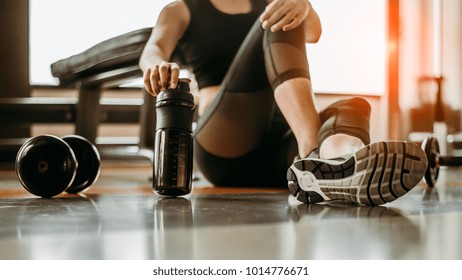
point(449, 161)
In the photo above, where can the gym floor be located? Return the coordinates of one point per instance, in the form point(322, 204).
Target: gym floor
point(119, 217)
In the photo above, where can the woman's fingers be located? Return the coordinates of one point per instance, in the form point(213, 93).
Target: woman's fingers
point(160, 77)
point(272, 14)
point(155, 83)
point(284, 14)
point(296, 21)
point(147, 81)
point(286, 19)
point(174, 74)
point(164, 75)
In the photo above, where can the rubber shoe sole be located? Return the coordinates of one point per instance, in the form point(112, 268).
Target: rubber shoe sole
point(376, 174)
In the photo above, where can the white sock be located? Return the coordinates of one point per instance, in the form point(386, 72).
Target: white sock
point(338, 145)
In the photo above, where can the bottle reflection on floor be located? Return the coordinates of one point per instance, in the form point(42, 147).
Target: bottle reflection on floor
point(173, 213)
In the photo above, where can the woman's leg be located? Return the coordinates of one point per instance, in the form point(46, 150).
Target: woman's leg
point(288, 73)
point(373, 174)
point(238, 139)
point(238, 117)
point(345, 127)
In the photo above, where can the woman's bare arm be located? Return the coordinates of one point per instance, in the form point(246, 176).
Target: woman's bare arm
point(158, 72)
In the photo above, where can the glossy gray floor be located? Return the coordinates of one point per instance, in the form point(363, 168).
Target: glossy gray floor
point(424, 224)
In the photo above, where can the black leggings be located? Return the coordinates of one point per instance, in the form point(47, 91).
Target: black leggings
point(242, 139)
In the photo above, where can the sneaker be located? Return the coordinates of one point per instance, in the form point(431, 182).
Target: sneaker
point(375, 174)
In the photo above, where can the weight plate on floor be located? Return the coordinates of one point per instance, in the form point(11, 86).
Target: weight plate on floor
point(432, 150)
point(88, 163)
point(45, 165)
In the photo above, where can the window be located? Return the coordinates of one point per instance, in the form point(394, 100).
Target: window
point(349, 58)
point(59, 29)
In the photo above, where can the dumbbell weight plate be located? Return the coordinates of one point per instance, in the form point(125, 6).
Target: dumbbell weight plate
point(46, 165)
point(432, 150)
point(88, 163)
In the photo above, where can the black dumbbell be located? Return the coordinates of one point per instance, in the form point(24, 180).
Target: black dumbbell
point(432, 150)
point(47, 165)
point(435, 160)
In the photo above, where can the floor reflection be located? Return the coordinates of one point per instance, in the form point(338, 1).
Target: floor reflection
point(338, 210)
point(425, 224)
point(353, 232)
point(430, 194)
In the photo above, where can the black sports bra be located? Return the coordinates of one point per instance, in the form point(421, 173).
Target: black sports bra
point(213, 38)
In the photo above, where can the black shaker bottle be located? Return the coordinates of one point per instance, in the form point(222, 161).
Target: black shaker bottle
point(173, 148)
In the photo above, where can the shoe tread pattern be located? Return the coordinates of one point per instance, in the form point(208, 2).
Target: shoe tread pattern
point(376, 174)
